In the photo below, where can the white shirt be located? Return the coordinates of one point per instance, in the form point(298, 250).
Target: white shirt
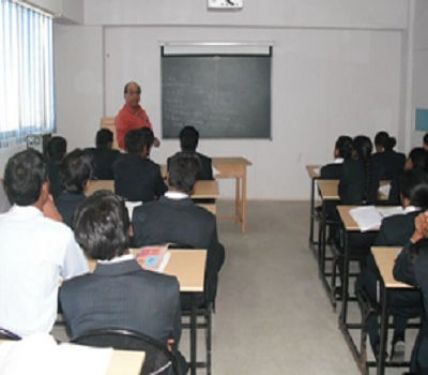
point(176, 195)
point(35, 253)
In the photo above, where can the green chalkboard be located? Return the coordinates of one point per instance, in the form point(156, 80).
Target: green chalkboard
point(223, 96)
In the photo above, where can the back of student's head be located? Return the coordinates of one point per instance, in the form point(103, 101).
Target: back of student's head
point(104, 139)
point(56, 149)
point(139, 140)
point(343, 147)
point(384, 142)
point(101, 226)
point(362, 147)
point(24, 176)
point(418, 158)
point(189, 138)
point(182, 170)
point(425, 142)
point(76, 170)
point(414, 187)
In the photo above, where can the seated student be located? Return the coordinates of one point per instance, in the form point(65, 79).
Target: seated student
point(55, 152)
point(386, 164)
point(396, 231)
point(425, 142)
point(103, 156)
point(411, 267)
point(136, 177)
point(342, 152)
point(418, 159)
point(36, 252)
point(75, 172)
point(175, 218)
point(119, 293)
point(189, 138)
point(354, 181)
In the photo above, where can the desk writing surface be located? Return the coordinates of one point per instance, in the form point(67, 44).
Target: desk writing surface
point(328, 189)
point(230, 166)
point(205, 189)
point(385, 259)
point(188, 266)
point(95, 185)
point(313, 171)
point(347, 220)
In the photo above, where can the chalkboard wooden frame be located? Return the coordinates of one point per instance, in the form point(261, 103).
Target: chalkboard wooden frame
point(225, 96)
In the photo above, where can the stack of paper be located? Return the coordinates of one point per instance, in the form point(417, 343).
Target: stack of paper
point(370, 217)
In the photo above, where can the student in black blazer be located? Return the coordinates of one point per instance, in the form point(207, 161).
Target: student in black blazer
point(136, 177)
point(411, 267)
point(342, 152)
point(55, 152)
point(76, 170)
point(396, 231)
point(119, 293)
point(386, 164)
point(103, 156)
point(189, 139)
point(175, 218)
point(417, 159)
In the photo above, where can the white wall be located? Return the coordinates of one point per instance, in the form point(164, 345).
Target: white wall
point(66, 10)
point(337, 69)
point(420, 67)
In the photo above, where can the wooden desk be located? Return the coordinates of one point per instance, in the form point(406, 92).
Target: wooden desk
point(385, 259)
point(328, 189)
point(313, 175)
point(95, 185)
point(235, 168)
point(206, 190)
point(122, 362)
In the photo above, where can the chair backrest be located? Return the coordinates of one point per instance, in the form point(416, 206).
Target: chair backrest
point(5, 334)
point(158, 359)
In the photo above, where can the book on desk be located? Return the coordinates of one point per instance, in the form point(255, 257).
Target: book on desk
point(370, 217)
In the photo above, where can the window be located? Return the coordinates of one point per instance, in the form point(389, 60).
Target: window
point(26, 73)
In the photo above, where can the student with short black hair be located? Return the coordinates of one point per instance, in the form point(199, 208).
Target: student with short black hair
point(418, 159)
point(103, 156)
point(76, 171)
point(36, 252)
point(55, 152)
point(176, 218)
point(386, 164)
point(119, 293)
point(136, 177)
point(189, 139)
point(342, 152)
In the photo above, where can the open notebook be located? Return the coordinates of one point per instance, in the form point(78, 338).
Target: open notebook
point(370, 217)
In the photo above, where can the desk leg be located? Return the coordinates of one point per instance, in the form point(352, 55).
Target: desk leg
point(193, 336)
point(238, 201)
point(383, 329)
point(312, 213)
point(345, 280)
point(244, 202)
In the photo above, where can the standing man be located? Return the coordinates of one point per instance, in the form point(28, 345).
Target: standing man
point(132, 116)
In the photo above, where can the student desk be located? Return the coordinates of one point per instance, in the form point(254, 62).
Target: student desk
point(122, 362)
point(385, 258)
point(235, 168)
point(313, 173)
point(202, 190)
point(188, 266)
point(328, 192)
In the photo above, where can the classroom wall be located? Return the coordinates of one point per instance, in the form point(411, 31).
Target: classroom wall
point(420, 65)
point(337, 68)
point(66, 11)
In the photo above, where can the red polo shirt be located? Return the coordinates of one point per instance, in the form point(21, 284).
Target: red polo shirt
point(128, 119)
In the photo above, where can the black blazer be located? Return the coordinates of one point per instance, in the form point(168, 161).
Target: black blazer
point(206, 170)
point(387, 165)
point(66, 203)
point(332, 171)
point(123, 295)
point(353, 182)
point(102, 162)
point(55, 183)
point(183, 222)
point(138, 179)
point(396, 230)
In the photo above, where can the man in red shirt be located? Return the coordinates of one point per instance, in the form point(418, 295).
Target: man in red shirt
point(132, 115)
